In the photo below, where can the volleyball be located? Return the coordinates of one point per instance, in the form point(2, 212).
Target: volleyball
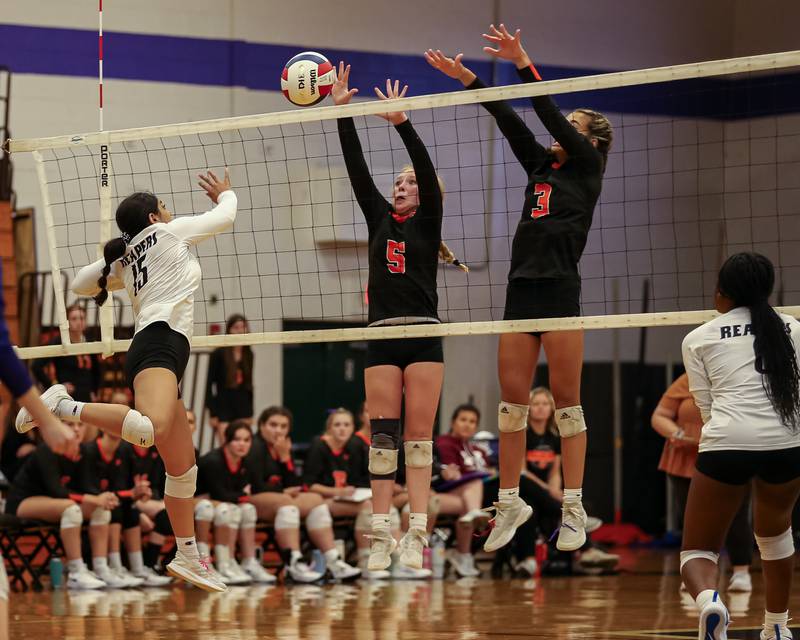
point(307, 78)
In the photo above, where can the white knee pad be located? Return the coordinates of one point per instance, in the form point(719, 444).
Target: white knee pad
point(696, 554)
point(287, 517)
point(363, 520)
point(512, 417)
point(319, 518)
point(138, 429)
point(776, 547)
point(100, 516)
point(182, 486)
point(3, 581)
point(569, 421)
point(249, 516)
point(227, 515)
point(394, 518)
point(71, 517)
point(204, 511)
point(419, 453)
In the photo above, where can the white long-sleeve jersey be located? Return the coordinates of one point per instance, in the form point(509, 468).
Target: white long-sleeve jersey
point(159, 271)
point(729, 392)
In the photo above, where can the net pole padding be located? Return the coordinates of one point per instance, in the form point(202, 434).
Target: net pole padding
point(55, 267)
point(445, 329)
point(107, 310)
point(750, 64)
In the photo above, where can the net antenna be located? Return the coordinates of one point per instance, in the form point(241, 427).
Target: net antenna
point(77, 171)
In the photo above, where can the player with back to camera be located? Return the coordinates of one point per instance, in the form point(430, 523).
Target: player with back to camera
point(564, 183)
point(405, 242)
point(152, 261)
point(744, 375)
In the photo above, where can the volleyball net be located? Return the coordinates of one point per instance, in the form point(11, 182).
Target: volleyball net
point(705, 162)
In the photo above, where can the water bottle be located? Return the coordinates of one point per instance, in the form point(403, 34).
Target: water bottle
point(437, 554)
point(56, 573)
point(318, 562)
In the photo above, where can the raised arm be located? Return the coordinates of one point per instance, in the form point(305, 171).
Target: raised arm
point(364, 189)
point(429, 192)
point(509, 48)
point(194, 229)
point(524, 146)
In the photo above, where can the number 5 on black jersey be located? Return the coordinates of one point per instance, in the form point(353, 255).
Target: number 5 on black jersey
point(395, 256)
point(139, 274)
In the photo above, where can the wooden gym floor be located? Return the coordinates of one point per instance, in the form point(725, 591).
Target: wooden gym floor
point(642, 602)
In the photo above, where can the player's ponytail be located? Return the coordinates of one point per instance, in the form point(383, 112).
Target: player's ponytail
point(448, 257)
point(112, 252)
point(133, 215)
point(748, 279)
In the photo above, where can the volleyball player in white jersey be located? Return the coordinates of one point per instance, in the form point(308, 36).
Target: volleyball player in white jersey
point(743, 372)
point(152, 261)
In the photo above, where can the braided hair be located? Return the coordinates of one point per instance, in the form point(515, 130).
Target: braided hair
point(133, 215)
point(747, 279)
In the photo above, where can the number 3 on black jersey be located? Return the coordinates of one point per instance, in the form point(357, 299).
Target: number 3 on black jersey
point(541, 200)
point(139, 274)
point(395, 256)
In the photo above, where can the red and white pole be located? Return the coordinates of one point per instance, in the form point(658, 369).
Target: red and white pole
point(100, 58)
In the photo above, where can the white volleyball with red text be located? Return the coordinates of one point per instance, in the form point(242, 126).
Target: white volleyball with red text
point(307, 78)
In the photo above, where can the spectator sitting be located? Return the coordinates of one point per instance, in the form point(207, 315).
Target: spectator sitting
point(45, 489)
point(15, 447)
point(271, 458)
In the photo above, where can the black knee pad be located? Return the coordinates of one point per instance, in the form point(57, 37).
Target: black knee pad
point(130, 515)
point(383, 452)
point(162, 523)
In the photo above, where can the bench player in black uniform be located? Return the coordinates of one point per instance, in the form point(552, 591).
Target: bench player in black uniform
point(564, 183)
point(405, 237)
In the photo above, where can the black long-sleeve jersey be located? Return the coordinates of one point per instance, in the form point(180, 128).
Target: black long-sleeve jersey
point(273, 474)
point(45, 473)
point(225, 480)
point(147, 462)
point(559, 199)
point(332, 468)
point(99, 473)
point(83, 371)
point(403, 250)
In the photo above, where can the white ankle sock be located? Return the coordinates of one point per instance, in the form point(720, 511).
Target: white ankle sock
point(136, 561)
point(100, 564)
point(69, 410)
point(222, 554)
point(771, 619)
point(203, 550)
point(381, 522)
point(187, 546)
point(75, 565)
point(704, 597)
point(507, 496)
point(114, 560)
point(295, 557)
point(571, 495)
point(331, 555)
point(418, 521)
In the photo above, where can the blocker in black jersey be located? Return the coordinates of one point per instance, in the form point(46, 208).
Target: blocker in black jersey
point(559, 202)
point(403, 250)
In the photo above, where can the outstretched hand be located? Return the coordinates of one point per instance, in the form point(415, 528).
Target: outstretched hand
point(451, 67)
point(340, 93)
point(213, 186)
point(392, 92)
point(508, 47)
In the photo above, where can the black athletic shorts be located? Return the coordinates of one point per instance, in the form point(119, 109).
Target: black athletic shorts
point(546, 298)
point(157, 346)
point(737, 466)
point(404, 351)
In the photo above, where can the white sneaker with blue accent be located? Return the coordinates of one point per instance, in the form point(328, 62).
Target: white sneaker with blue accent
point(572, 534)
point(777, 632)
point(714, 620)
